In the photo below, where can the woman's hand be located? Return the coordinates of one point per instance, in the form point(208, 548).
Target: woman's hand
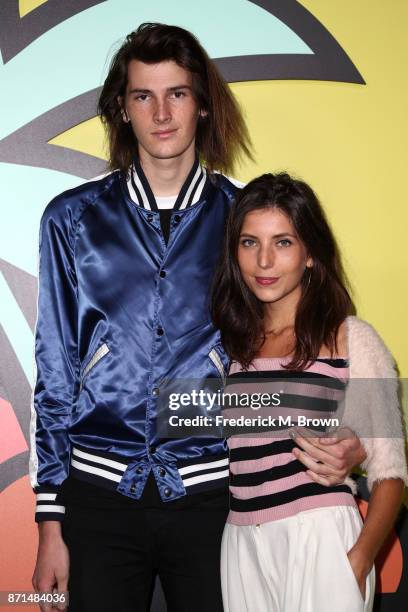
point(361, 567)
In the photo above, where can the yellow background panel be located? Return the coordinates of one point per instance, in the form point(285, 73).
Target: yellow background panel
point(86, 137)
point(26, 6)
point(349, 142)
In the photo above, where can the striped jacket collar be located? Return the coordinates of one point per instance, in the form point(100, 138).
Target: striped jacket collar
point(141, 193)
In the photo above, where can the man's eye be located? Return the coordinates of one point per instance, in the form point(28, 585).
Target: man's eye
point(179, 94)
point(142, 97)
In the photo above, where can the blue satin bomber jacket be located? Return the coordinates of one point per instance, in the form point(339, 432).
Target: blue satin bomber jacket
point(119, 312)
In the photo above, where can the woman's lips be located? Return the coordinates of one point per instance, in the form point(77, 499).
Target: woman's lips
point(266, 280)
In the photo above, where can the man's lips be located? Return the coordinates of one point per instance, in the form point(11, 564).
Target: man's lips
point(266, 280)
point(164, 133)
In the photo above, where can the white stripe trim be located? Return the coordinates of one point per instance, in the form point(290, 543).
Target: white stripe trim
point(97, 356)
point(190, 189)
point(139, 185)
point(131, 190)
point(46, 508)
point(204, 477)
point(232, 180)
point(94, 470)
point(199, 467)
point(96, 459)
point(33, 460)
point(215, 358)
point(46, 496)
point(200, 188)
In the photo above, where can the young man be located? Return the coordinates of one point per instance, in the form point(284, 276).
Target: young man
point(126, 263)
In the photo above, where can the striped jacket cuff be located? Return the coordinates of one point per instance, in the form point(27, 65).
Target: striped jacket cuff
point(48, 507)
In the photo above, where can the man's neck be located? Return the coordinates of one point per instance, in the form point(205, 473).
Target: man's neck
point(167, 176)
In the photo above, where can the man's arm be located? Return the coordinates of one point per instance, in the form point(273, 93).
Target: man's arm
point(329, 460)
point(52, 567)
point(54, 392)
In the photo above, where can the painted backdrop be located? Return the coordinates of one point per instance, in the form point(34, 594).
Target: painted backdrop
point(323, 85)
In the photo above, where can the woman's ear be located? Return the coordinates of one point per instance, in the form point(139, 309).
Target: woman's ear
point(202, 113)
point(309, 262)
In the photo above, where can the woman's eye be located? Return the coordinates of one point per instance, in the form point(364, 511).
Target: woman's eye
point(284, 243)
point(247, 242)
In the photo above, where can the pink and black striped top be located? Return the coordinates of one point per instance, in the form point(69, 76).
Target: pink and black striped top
point(267, 482)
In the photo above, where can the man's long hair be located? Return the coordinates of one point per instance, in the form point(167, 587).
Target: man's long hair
point(325, 300)
point(221, 137)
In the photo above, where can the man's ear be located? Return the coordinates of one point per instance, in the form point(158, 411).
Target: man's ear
point(122, 109)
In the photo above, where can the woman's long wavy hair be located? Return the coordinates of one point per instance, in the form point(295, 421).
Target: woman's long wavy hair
point(222, 135)
point(325, 300)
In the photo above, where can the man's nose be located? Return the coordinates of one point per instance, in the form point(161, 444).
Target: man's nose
point(162, 112)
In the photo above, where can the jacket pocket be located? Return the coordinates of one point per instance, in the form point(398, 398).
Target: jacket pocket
point(216, 359)
point(99, 354)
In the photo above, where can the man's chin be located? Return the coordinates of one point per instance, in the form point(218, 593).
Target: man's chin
point(167, 154)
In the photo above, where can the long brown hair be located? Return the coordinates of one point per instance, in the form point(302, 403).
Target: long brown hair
point(325, 300)
point(221, 137)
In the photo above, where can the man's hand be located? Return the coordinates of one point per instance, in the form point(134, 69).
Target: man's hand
point(52, 567)
point(329, 460)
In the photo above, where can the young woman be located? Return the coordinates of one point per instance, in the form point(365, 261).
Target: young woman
point(281, 303)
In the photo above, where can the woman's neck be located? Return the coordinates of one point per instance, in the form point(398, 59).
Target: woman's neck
point(281, 314)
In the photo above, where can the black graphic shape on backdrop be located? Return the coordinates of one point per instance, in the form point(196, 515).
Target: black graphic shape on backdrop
point(24, 289)
point(329, 61)
point(14, 388)
point(16, 32)
point(29, 144)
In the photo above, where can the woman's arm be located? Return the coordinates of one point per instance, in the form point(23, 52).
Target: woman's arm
point(383, 507)
point(331, 459)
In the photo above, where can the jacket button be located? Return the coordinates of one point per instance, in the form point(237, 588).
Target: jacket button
point(177, 219)
point(152, 450)
point(167, 492)
point(133, 488)
point(162, 472)
point(150, 218)
point(156, 391)
point(162, 274)
point(160, 331)
point(139, 470)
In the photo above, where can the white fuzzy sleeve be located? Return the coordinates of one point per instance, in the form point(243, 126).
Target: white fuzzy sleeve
point(372, 406)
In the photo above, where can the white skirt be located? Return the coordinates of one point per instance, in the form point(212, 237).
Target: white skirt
point(297, 564)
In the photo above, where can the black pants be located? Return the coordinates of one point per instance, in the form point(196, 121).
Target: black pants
point(117, 548)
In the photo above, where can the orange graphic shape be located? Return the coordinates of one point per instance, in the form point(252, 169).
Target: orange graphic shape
point(12, 441)
point(18, 537)
point(389, 563)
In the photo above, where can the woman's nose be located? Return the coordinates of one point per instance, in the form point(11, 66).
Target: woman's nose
point(265, 257)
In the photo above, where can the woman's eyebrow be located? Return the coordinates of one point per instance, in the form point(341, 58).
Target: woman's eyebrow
point(284, 234)
point(274, 236)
